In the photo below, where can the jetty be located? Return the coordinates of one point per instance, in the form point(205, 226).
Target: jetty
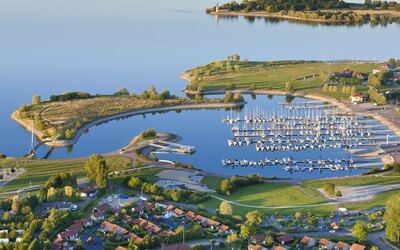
point(171, 147)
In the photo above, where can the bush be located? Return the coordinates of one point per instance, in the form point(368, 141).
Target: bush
point(148, 134)
point(2, 156)
point(338, 193)
point(70, 96)
point(329, 188)
point(228, 186)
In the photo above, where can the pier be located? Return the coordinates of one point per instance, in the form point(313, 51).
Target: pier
point(171, 147)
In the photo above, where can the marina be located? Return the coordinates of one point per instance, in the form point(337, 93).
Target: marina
point(303, 129)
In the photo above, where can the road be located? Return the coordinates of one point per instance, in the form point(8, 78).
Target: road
point(375, 238)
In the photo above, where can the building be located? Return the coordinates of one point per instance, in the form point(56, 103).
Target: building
point(219, 10)
point(284, 239)
point(346, 73)
point(326, 244)
point(357, 247)
point(225, 230)
point(68, 235)
point(307, 242)
point(383, 68)
point(357, 97)
point(260, 238)
point(278, 248)
point(342, 246)
point(190, 215)
point(97, 216)
point(255, 247)
point(136, 239)
point(86, 222)
point(335, 225)
point(102, 208)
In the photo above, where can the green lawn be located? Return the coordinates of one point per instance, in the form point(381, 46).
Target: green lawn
point(212, 182)
point(269, 194)
point(355, 181)
point(276, 77)
point(149, 174)
point(38, 171)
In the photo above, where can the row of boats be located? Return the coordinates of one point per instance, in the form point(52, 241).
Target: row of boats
point(289, 164)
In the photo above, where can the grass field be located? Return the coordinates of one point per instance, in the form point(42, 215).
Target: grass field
point(149, 174)
point(276, 77)
point(38, 171)
point(212, 182)
point(355, 181)
point(269, 194)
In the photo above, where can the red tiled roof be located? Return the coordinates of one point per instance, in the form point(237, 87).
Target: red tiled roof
point(341, 244)
point(68, 234)
point(324, 242)
point(103, 207)
point(357, 247)
point(306, 240)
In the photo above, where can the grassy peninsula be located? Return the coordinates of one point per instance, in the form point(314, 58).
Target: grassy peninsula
point(323, 11)
point(64, 115)
point(305, 76)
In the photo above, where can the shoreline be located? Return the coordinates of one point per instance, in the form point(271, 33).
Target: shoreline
point(386, 13)
point(55, 143)
point(274, 15)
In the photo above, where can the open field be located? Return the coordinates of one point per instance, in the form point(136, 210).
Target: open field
point(38, 171)
point(212, 182)
point(274, 77)
point(355, 181)
point(268, 194)
point(150, 174)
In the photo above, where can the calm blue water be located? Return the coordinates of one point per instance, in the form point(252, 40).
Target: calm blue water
point(48, 47)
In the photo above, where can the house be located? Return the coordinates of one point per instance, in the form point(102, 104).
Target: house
point(102, 208)
point(335, 225)
point(88, 192)
point(4, 240)
point(199, 218)
point(260, 238)
point(138, 209)
point(68, 235)
point(127, 219)
point(120, 248)
point(178, 212)
point(357, 247)
point(255, 247)
point(342, 246)
point(356, 97)
point(223, 229)
point(346, 73)
point(219, 10)
point(326, 244)
point(278, 248)
point(76, 227)
point(86, 222)
point(209, 223)
point(169, 212)
point(176, 247)
point(136, 239)
point(190, 215)
point(284, 239)
point(307, 242)
point(97, 216)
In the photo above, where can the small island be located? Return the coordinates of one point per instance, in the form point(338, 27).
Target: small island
point(322, 11)
point(60, 121)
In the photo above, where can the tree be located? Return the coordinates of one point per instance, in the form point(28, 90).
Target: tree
point(360, 231)
point(145, 95)
point(226, 186)
point(122, 91)
point(232, 239)
point(325, 77)
point(235, 57)
point(254, 217)
point(237, 97)
point(225, 208)
point(325, 88)
point(329, 188)
point(392, 218)
point(97, 170)
point(228, 96)
point(35, 245)
point(289, 87)
point(135, 183)
point(69, 191)
point(16, 205)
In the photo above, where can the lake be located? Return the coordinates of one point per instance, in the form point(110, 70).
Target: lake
point(49, 47)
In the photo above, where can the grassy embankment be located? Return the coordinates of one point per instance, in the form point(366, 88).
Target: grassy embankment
point(280, 194)
point(62, 118)
point(272, 75)
point(39, 171)
point(268, 194)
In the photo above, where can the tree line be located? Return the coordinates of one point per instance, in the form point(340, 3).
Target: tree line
point(228, 186)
